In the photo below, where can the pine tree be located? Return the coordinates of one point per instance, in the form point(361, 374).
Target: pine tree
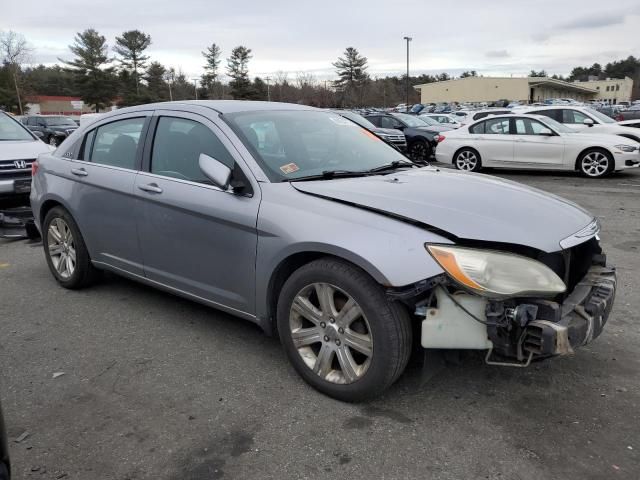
point(352, 75)
point(238, 70)
point(212, 62)
point(94, 76)
point(131, 46)
point(156, 84)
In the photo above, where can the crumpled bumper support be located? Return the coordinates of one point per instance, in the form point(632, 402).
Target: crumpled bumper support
point(17, 222)
point(577, 321)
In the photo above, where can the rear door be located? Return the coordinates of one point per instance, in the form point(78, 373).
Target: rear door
point(494, 142)
point(531, 148)
point(102, 197)
point(195, 237)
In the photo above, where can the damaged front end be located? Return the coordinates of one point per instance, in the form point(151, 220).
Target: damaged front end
point(17, 222)
point(455, 314)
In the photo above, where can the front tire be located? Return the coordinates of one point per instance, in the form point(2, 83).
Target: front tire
point(595, 163)
point(420, 151)
point(65, 250)
point(468, 160)
point(340, 332)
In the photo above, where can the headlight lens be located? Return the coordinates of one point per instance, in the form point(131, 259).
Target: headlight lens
point(627, 148)
point(497, 274)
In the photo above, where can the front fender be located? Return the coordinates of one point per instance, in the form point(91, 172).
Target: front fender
point(290, 222)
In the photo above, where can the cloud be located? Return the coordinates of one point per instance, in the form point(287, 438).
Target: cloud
point(497, 54)
point(594, 21)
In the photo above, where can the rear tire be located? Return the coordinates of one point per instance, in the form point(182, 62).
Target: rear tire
point(468, 160)
point(595, 163)
point(65, 250)
point(359, 343)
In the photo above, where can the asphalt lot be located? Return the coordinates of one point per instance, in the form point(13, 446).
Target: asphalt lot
point(156, 387)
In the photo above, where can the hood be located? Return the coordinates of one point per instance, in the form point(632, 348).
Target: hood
point(467, 206)
point(602, 138)
point(435, 128)
point(388, 131)
point(23, 150)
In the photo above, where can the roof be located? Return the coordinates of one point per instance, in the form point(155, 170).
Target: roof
point(52, 98)
point(220, 106)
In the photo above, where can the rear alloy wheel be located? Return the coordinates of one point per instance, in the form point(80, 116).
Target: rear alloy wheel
point(467, 160)
point(420, 151)
point(340, 332)
point(595, 164)
point(65, 251)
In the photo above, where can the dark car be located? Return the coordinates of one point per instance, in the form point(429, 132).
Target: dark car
point(5, 468)
point(54, 128)
point(420, 132)
point(390, 135)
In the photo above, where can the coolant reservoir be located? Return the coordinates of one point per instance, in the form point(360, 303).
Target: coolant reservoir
point(449, 326)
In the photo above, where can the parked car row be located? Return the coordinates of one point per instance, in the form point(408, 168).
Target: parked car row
point(52, 129)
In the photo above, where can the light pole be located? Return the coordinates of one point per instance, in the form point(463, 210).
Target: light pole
point(408, 39)
point(195, 85)
point(268, 79)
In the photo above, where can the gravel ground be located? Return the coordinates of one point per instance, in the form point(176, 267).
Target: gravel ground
point(156, 387)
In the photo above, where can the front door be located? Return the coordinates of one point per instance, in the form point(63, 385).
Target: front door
point(195, 237)
point(532, 148)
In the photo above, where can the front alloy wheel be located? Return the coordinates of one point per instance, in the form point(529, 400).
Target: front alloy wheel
point(340, 331)
point(595, 164)
point(331, 333)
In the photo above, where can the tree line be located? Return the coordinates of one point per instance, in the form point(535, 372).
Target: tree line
point(126, 74)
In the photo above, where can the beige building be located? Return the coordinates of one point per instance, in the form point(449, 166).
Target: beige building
point(491, 89)
point(611, 90)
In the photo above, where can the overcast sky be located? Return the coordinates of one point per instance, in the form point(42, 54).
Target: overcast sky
point(494, 37)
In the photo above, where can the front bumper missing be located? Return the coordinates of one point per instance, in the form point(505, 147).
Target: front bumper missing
point(17, 223)
point(577, 321)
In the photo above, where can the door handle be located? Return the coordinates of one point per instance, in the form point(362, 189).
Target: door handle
point(151, 188)
point(80, 172)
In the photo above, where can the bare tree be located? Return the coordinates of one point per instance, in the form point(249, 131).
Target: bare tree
point(15, 52)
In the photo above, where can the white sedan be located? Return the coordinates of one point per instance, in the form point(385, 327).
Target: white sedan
point(534, 142)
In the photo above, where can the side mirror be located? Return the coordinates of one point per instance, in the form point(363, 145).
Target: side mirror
point(547, 132)
point(588, 122)
point(37, 133)
point(215, 171)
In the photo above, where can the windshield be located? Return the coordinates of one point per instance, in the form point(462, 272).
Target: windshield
point(11, 129)
point(557, 126)
point(600, 116)
point(410, 120)
point(295, 144)
point(60, 122)
point(429, 120)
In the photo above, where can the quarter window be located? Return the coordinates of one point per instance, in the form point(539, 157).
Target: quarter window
point(178, 144)
point(478, 128)
point(116, 143)
point(388, 122)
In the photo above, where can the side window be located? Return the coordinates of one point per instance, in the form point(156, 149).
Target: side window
point(478, 128)
point(388, 122)
point(374, 120)
point(116, 143)
point(555, 114)
point(526, 126)
point(178, 144)
point(497, 126)
point(573, 116)
point(31, 121)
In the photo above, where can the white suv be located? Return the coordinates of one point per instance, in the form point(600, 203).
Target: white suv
point(583, 119)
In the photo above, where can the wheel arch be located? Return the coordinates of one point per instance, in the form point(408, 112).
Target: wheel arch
point(595, 148)
point(292, 262)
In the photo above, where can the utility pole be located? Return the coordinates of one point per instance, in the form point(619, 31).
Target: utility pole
point(195, 86)
point(408, 39)
point(268, 79)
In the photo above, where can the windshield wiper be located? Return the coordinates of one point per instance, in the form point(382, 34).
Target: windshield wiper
point(329, 174)
point(392, 166)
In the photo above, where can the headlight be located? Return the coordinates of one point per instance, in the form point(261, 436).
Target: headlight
point(496, 274)
point(627, 148)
